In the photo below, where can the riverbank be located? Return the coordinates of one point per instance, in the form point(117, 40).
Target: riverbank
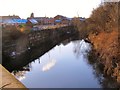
point(26, 48)
point(19, 44)
point(104, 36)
point(8, 80)
point(101, 29)
point(106, 48)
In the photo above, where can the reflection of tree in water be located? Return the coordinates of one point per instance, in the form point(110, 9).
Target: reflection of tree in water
point(81, 48)
point(76, 48)
point(98, 67)
point(20, 74)
point(105, 81)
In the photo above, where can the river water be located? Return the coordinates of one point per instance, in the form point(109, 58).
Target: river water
point(64, 66)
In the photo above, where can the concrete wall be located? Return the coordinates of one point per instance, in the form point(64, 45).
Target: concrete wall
point(7, 80)
point(35, 38)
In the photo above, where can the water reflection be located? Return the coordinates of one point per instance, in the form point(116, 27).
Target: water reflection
point(60, 68)
point(92, 60)
point(104, 81)
point(81, 48)
point(70, 64)
point(49, 65)
point(20, 74)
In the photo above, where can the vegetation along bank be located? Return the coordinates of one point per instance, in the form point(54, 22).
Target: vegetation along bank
point(102, 30)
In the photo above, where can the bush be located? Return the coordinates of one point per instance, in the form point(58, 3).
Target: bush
point(104, 18)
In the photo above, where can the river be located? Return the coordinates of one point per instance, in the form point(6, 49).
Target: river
point(64, 66)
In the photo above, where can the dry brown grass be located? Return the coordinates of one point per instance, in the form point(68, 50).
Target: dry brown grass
point(107, 45)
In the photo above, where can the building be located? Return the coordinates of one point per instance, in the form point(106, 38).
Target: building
point(51, 21)
point(32, 21)
point(43, 20)
point(59, 19)
point(12, 20)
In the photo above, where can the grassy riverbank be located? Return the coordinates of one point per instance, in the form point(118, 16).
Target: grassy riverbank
point(101, 29)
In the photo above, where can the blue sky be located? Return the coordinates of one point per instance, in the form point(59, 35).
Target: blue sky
point(50, 8)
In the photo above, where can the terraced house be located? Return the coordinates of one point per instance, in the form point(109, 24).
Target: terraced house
point(12, 20)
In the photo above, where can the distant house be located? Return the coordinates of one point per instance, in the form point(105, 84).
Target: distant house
point(43, 20)
point(12, 20)
point(59, 19)
point(32, 21)
point(38, 19)
point(20, 21)
point(51, 21)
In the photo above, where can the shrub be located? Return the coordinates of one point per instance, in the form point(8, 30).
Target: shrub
point(105, 18)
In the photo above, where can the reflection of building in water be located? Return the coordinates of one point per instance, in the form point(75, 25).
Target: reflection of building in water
point(49, 65)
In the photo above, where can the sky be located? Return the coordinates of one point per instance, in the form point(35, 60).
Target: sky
point(49, 8)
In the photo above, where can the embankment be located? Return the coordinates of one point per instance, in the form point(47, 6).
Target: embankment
point(33, 45)
point(9, 81)
point(106, 47)
point(102, 30)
